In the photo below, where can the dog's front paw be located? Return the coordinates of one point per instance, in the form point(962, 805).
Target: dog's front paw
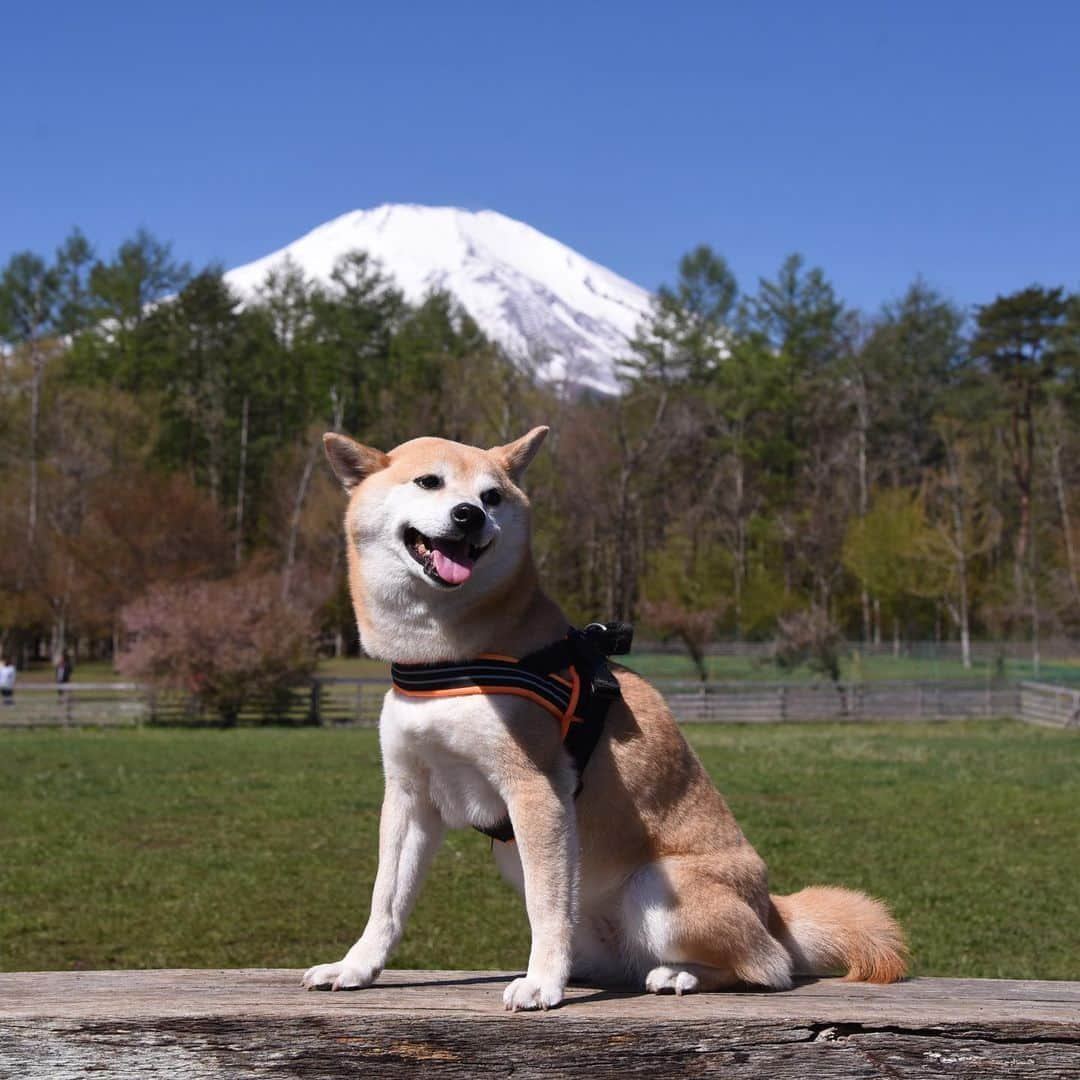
point(526, 993)
point(339, 976)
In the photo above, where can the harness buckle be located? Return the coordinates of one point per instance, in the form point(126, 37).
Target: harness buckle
point(612, 639)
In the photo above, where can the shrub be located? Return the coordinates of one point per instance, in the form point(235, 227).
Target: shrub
point(809, 637)
point(225, 644)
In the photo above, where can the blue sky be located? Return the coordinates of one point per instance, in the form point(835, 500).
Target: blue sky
point(881, 139)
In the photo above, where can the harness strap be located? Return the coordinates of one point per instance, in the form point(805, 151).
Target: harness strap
point(579, 703)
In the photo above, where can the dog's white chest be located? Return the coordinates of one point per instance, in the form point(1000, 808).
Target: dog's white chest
point(451, 739)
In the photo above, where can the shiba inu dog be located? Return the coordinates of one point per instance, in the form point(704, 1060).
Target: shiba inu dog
point(640, 878)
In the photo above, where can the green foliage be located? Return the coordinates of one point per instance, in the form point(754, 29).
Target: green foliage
point(799, 314)
point(31, 299)
point(687, 336)
point(693, 575)
point(887, 550)
point(745, 472)
point(915, 365)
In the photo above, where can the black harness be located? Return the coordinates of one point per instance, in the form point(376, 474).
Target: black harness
point(580, 703)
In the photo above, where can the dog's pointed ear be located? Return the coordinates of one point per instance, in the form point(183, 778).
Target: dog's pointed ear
point(350, 460)
point(515, 457)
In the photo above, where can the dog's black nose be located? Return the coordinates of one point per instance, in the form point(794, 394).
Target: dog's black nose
point(468, 517)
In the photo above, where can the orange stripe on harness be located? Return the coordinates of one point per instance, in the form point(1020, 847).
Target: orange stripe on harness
point(516, 691)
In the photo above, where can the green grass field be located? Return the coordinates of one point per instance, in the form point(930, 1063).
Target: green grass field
point(199, 848)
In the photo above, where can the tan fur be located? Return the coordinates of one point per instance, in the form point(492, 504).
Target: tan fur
point(647, 865)
point(828, 930)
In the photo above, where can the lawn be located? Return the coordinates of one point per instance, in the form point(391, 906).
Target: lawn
point(196, 848)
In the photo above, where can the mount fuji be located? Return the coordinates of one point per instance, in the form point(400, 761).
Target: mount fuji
point(541, 301)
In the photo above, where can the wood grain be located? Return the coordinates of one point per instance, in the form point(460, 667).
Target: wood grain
point(260, 1023)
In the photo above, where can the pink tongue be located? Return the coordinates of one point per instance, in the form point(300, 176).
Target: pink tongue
point(452, 562)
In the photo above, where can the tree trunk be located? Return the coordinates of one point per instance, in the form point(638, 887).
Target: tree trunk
point(1023, 449)
point(1063, 511)
point(37, 367)
point(297, 514)
point(626, 536)
point(1036, 654)
point(740, 543)
point(862, 413)
point(239, 550)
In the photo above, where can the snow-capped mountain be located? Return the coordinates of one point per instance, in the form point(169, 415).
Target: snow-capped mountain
point(536, 297)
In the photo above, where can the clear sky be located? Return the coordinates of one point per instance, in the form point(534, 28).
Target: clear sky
point(880, 139)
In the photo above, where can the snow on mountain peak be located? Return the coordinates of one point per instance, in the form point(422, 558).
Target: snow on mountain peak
point(536, 297)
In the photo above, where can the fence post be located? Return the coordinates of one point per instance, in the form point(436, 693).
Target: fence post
point(316, 703)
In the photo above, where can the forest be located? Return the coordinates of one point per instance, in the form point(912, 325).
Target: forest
point(774, 455)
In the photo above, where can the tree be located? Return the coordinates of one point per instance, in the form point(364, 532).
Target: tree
point(682, 595)
point(142, 527)
point(121, 295)
point(355, 319)
point(967, 526)
point(799, 313)
point(809, 637)
point(197, 352)
point(799, 316)
point(1020, 340)
point(1063, 452)
point(688, 331)
point(226, 644)
point(884, 550)
point(38, 301)
point(912, 360)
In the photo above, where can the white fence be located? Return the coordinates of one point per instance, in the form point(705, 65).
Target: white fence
point(1050, 706)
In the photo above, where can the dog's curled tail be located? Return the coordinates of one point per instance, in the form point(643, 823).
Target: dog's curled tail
point(826, 930)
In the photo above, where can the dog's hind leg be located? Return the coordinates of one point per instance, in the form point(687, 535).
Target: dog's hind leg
point(687, 929)
point(687, 978)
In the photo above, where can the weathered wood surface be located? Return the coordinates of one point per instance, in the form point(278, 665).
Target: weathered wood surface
point(259, 1023)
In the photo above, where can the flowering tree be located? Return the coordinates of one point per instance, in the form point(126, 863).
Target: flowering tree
point(227, 644)
point(809, 637)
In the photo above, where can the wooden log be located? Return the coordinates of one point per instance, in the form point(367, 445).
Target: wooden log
point(260, 1023)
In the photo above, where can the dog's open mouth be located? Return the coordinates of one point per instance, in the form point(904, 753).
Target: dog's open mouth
point(448, 562)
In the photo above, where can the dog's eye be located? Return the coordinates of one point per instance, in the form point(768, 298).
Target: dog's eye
point(429, 481)
point(491, 497)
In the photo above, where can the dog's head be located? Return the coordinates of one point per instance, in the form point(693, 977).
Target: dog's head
point(434, 516)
